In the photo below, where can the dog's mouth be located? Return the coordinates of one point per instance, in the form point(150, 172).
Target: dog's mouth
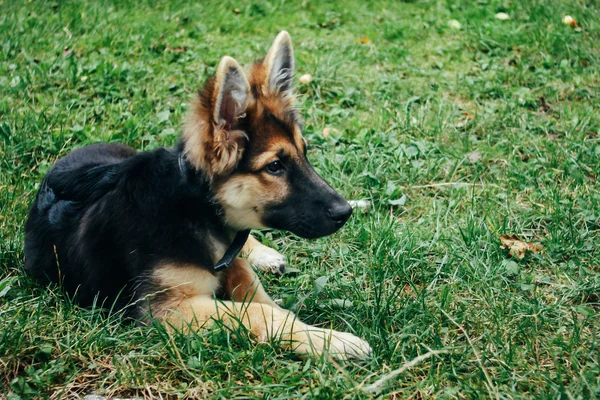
point(307, 232)
point(313, 225)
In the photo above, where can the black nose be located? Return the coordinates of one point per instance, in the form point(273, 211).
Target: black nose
point(340, 212)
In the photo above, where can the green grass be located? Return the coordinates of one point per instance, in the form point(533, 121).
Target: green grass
point(405, 110)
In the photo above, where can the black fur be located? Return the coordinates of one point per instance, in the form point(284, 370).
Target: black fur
point(106, 215)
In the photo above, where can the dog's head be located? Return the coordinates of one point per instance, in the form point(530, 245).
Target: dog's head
point(244, 134)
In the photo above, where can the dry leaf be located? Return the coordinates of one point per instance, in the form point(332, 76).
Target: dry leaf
point(364, 40)
point(568, 20)
point(517, 247)
point(474, 156)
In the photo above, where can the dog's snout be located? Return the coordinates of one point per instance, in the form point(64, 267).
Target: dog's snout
point(340, 212)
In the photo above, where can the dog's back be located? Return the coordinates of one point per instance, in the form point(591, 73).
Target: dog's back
point(106, 216)
point(84, 173)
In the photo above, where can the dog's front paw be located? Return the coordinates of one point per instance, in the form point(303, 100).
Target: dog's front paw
point(266, 259)
point(340, 345)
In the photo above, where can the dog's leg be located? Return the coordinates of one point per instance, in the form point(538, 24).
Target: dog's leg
point(262, 257)
point(241, 284)
point(266, 323)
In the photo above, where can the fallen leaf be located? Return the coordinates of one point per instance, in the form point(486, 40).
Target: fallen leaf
point(362, 204)
point(518, 248)
point(568, 20)
point(364, 40)
point(5, 286)
point(248, 375)
point(291, 271)
point(398, 202)
point(320, 283)
point(511, 268)
point(473, 156)
point(325, 132)
point(337, 303)
point(163, 115)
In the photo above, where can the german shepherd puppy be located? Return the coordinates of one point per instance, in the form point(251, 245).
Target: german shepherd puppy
point(157, 233)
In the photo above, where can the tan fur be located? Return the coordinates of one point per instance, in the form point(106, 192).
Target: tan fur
point(190, 303)
point(299, 140)
point(281, 107)
point(264, 319)
point(276, 145)
point(218, 249)
point(251, 245)
point(243, 198)
point(241, 284)
point(182, 282)
point(209, 145)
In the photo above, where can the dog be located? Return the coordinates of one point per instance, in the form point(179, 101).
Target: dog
point(157, 234)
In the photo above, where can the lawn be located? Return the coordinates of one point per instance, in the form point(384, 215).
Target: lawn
point(456, 133)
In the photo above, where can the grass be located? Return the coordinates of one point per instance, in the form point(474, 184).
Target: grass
point(470, 133)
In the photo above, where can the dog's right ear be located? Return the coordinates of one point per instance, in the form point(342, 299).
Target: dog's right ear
point(213, 141)
point(279, 65)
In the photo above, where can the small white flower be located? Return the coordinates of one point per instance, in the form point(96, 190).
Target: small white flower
point(502, 16)
point(304, 79)
point(454, 24)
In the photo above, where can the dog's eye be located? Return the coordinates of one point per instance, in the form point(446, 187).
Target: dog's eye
point(275, 167)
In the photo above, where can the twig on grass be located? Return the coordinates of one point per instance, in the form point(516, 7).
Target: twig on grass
point(380, 383)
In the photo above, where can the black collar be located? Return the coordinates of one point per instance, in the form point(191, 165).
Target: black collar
point(240, 238)
point(232, 251)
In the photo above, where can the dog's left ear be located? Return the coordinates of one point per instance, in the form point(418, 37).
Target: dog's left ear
point(279, 64)
point(231, 93)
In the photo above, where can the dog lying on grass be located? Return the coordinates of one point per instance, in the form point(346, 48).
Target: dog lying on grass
point(158, 233)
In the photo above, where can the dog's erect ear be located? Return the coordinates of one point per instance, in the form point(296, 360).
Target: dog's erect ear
point(231, 93)
point(279, 64)
point(213, 142)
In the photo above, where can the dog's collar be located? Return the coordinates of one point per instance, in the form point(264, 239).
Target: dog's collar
point(232, 251)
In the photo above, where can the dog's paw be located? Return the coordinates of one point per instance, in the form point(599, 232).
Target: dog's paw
point(266, 259)
point(340, 345)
